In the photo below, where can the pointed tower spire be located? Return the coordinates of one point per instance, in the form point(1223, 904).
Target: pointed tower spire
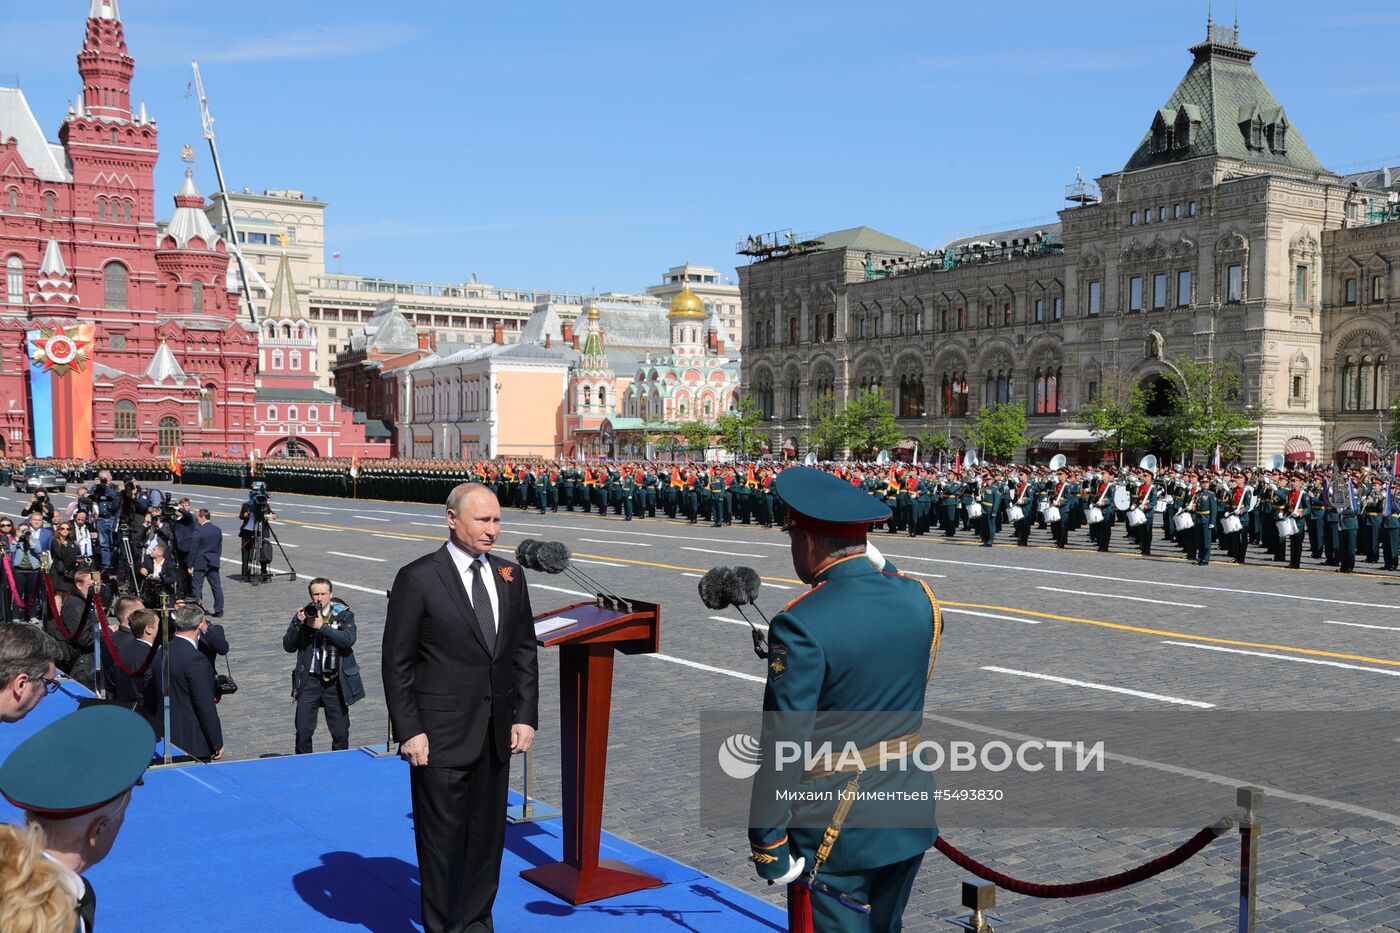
point(104, 64)
point(54, 284)
point(104, 9)
point(284, 304)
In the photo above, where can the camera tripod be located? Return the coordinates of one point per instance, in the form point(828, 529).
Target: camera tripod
point(263, 539)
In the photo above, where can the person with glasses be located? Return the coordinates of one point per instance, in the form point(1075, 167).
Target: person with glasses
point(27, 561)
point(28, 670)
point(63, 557)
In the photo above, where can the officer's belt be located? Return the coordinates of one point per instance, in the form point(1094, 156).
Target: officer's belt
point(869, 757)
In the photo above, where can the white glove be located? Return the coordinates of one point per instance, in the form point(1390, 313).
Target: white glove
point(794, 871)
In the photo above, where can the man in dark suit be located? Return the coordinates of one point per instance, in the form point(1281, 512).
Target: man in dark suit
point(186, 528)
point(159, 575)
point(76, 618)
point(194, 719)
point(460, 672)
point(207, 551)
point(327, 675)
point(140, 689)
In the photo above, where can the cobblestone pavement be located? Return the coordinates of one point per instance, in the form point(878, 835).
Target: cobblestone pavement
point(1175, 635)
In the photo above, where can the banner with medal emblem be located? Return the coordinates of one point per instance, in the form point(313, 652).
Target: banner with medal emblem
point(60, 389)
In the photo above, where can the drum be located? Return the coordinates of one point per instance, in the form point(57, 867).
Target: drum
point(974, 510)
point(1161, 505)
point(1184, 521)
point(1121, 500)
point(1230, 524)
point(1094, 514)
point(1014, 513)
point(1287, 527)
point(1052, 514)
point(1135, 518)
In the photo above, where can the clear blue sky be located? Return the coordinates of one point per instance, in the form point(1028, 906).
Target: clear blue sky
point(576, 146)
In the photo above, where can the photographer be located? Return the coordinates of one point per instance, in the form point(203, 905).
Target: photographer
point(82, 502)
point(158, 576)
point(106, 501)
point(326, 676)
point(39, 504)
point(253, 517)
point(77, 616)
point(182, 520)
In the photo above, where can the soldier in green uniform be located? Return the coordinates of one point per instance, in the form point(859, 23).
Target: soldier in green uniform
point(718, 495)
point(1331, 523)
point(861, 639)
point(951, 492)
point(627, 492)
point(1295, 506)
point(1390, 527)
point(1206, 509)
point(1372, 505)
point(568, 480)
point(989, 500)
point(1348, 521)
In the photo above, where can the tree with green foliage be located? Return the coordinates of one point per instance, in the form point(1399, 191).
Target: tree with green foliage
point(740, 430)
point(999, 429)
point(696, 434)
point(1392, 434)
point(1207, 411)
point(933, 443)
point(1118, 413)
point(869, 424)
point(827, 435)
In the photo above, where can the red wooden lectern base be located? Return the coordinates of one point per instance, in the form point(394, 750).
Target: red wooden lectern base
point(586, 651)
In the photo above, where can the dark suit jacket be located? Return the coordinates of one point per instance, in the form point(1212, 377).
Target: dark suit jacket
point(168, 575)
point(142, 692)
point(208, 548)
point(301, 639)
point(439, 678)
point(186, 534)
point(194, 719)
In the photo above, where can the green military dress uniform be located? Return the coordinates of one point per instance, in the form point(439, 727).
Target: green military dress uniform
point(1206, 510)
point(861, 639)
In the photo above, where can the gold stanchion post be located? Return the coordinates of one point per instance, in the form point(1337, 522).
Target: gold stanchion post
point(978, 896)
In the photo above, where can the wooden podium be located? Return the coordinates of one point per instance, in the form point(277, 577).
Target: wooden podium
point(586, 650)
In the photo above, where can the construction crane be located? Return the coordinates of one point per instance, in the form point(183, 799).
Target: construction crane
point(208, 121)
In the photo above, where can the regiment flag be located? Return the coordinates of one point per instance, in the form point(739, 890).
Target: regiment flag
point(252, 462)
point(177, 463)
point(1215, 461)
point(60, 389)
point(355, 466)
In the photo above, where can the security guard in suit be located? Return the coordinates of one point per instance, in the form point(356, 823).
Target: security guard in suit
point(860, 639)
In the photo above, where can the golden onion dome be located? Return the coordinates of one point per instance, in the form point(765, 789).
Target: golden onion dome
point(593, 312)
point(687, 304)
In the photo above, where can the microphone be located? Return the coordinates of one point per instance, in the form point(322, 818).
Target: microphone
point(525, 553)
point(553, 557)
point(715, 587)
point(721, 587)
point(746, 586)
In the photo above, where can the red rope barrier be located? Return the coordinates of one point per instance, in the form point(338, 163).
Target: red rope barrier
point(1094, 886)
point(112, 648)
point(58, 614)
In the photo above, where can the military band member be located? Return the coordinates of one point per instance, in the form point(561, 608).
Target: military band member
point(1239, 504)
point(1144, 496)
point(1296, 505)
point(1390, 527)
point(1205, 507)
point(1348, 521)
point(952, 492)
point(1371, 517)
point(1023, 497)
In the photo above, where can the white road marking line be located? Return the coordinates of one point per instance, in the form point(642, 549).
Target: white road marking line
point(775, 586)
point(378, 560)
point(392, 537)
point(988, 615)
point(1070, 682)
point(1136, 599)
point(288, 544)
point(651, 534)
point(427, 524)
point(560, 589)
point(1285, 657)
point(705, 550)
point(624, 543)
point(1141, 582)
point(371, 518)
point(601, 563)
point(706, 667)
point(687, 573)
point(759, 625)
point(916, 573)
point(363, 589)
point(1383, 628)
point(323, 527)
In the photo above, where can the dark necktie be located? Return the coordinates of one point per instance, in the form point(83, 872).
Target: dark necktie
point(481, 605)
point(87, 906)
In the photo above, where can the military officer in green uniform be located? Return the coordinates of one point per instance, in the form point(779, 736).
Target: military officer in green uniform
point(860, 639)
point(627, 493)
point(989, 500)
point(1390, 526)
point(719, 493)
point(649, 486)
point(1348, 521)
point(74, 779)
point(948, 506)
point(1206, 509)
point(1371, 519)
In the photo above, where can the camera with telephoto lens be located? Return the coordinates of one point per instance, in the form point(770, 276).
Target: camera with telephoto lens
point(258, 500)
point(330, 661)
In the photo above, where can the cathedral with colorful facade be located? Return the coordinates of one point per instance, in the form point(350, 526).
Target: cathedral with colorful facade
point(119, 334)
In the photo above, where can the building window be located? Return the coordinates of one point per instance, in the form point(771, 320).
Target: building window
point(294, 361)
point(1057, 308)
point(1363, 383)
point(101, 208)
point(1161, 214)
point(1147, 216)
point(955, 394)
point(1006, 314)
point(991, 315)
point(167, 435)
point(1377, 289)
point(48, 204)
point(197, 297)
point(291, 413)
point(1132, 218)
point(1046, 400)
point(942, 320)
point(1300, 285)
point(1350, 291)
point(1159, 291)
point(114, 286)
point(1135, 293)
point(114, 137)
point(206, 407)
point(962, 318)
point(277, 359)
point(1191, 209)
point(124, 420)
point(272, 413)
point(12, 199)
point(602, 397)
point(1297, 387)
point(1183, 288)
point(1234, 284)
point(911, 396)
point(14, 279)
point(312, 414)
point(1093, 391)
point(116, 341)
point(1039, 310)
point(862, 329)
point(831, 324)
point(1095, 298)
point(792, 331)
point(1176, 211)
point(126, 212)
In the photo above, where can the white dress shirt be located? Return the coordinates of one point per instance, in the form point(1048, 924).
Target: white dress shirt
point(463, 562)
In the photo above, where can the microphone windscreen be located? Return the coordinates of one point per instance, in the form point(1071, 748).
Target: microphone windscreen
point(525, 553)
point(551, 557)
point(715, 586)
point(746, 586)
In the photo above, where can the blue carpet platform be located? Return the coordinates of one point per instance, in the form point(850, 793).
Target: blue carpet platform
point(325, 842)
